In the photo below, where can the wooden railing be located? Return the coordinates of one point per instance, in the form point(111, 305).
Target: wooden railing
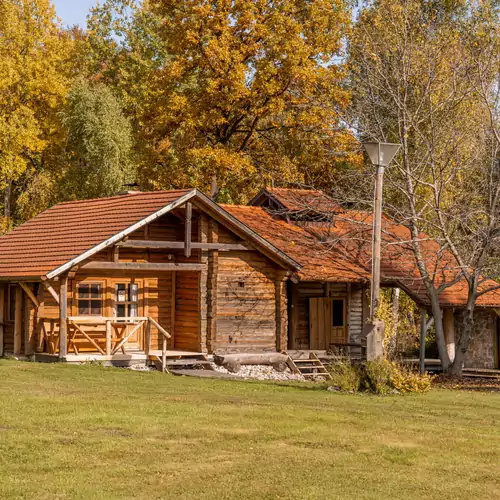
point(116, 328)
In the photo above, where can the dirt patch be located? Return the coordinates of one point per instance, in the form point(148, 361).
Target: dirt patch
point(467, 383)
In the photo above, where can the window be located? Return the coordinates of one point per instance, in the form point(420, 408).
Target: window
point(126, 300)
point(338, 312)
point(89, 299)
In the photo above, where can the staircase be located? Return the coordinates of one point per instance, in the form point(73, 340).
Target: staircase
point(181, 361)
point(309, 368)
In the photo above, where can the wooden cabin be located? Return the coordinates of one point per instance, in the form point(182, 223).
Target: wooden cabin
point(125, 274)
point(126, 277)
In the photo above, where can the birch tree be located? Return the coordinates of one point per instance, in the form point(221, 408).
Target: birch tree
point(416, 81)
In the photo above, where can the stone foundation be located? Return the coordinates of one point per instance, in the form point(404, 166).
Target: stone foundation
point(481, 348)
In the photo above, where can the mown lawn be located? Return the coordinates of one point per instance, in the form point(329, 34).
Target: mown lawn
point(91, 432)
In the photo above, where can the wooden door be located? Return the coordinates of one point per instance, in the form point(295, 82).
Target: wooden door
point(127, 302)
point(327, 322)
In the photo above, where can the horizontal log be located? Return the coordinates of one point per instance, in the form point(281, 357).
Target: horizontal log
point(265, 358)
point(179, 245)
point(142, 266)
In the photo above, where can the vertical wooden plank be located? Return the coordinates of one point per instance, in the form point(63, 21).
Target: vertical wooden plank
point(187, 228)
point(18, 320)
point(172, 312)
point(212, 286)
point(63, 317)
point(2, 318)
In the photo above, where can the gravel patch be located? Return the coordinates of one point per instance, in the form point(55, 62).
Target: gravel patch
point(260, 372)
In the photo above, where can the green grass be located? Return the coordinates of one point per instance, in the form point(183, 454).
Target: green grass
point(91, 432)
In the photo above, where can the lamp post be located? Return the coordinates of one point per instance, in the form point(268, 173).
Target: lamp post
point(380, 154)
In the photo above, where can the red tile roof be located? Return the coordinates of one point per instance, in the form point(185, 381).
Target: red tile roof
point(67, 230)
point(299, 200)
point(341, 251)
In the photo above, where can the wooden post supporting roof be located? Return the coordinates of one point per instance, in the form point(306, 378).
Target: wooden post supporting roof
point(2, 318)
point(293, 314)
point(281, 309)
point(18, 320)
point(203, 285)
point(212, 285)
point(187, 235)
point(63, 318)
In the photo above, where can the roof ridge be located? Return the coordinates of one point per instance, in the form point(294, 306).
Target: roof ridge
point(121, 196)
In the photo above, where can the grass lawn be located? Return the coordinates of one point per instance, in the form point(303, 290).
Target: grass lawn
point(91, 432)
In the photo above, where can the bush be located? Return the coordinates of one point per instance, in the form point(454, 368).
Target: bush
point(378, 377)
point(345, 375)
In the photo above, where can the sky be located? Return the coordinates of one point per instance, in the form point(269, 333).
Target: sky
point(73, 11)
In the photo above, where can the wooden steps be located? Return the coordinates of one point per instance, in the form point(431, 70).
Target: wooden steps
point(181, 360)
point(310, 367)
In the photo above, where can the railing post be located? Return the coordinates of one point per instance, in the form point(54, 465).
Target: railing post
point(147, 347)
point(108, 337)
point(164, 354)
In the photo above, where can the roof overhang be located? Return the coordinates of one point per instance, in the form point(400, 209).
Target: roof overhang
point(204, 202)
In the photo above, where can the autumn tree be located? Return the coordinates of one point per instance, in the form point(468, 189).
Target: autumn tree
point(415, 81)
point(33, 83)
point(247, 92)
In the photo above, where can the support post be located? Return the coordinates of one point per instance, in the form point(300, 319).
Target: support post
point(187, 227)
point(2, 318)
point(423, 331)
point(294, 315)
point(108, 337)
point(18, 320)
point(212, 284)
point(203, 285)
point(63, 318)
point(281, 307)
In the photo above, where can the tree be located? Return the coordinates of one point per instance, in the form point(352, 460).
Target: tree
point(33, 83)
point(247, 92)
point(99, 143)
point(414, 83)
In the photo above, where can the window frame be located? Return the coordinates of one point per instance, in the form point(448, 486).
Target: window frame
point(101, 298)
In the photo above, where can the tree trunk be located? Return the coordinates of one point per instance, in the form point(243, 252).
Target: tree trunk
point(438, 325)
point(467, 331)
point(395, 318)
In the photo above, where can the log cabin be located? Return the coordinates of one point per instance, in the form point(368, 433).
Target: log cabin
point(126, 278)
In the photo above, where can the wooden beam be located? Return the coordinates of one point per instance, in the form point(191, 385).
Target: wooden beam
point(280, 308)
point(63, 317)
point(141, 266)
point(212, 285)
point(294, 315)
point(179, 245)
point(51, 290)
point(2, 318)
point(29, 293)
point(187, 234)
point(172, 312)
point(18, 320)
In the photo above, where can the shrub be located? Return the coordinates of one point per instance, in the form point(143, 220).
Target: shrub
point(345, 375)
point(378, 377)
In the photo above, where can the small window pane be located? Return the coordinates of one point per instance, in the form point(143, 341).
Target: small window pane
point(338, 313)
point(133, 291)
point(95, 307)
point(95, 291)
point(133, 310)
point(84, 307)
point(120, 310)
point(83, 291)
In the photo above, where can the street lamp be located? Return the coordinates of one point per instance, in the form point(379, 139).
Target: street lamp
point(380, 154)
